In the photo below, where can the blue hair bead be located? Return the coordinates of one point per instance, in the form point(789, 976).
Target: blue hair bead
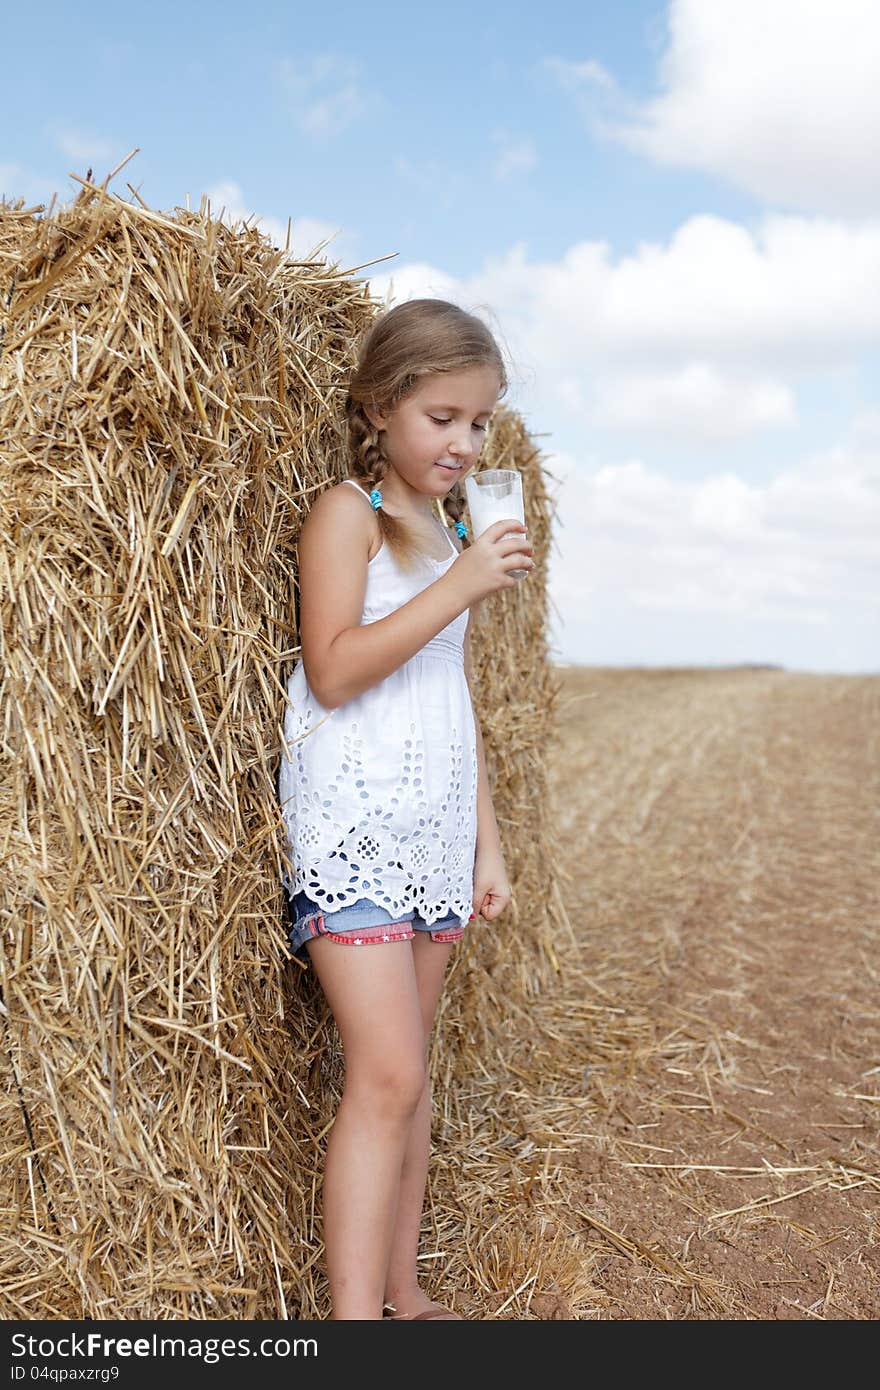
point(375, 499)
point(461, 529)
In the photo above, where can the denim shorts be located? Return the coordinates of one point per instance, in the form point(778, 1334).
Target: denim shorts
point(362, 924)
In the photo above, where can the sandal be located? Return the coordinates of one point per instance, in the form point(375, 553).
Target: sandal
point(436, 1314)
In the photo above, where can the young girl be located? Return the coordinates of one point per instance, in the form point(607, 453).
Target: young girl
point(390, 831)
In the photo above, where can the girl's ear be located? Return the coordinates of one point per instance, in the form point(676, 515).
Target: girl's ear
point(377, 418)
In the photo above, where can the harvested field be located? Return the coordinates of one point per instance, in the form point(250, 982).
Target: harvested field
point(694, 1116)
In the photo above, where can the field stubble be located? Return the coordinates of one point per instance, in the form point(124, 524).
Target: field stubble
point(695, 1107)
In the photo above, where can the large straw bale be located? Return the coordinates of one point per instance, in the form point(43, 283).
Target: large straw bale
point(170, 393)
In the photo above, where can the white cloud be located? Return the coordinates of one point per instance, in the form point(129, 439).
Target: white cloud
point(438, 184)
point(866, 428)
point(415, 281)
point(307, 234)
point(802, 548)
point(16, 183)
point(87, 148)
point(326, 92)
point(517, 157)
point(781, 97)
point(697, 338)
point(579, 77)
point(793, 292)
point(696, 402)
point(593, 91)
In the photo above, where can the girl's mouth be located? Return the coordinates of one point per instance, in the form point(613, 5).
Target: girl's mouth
point(450, 467)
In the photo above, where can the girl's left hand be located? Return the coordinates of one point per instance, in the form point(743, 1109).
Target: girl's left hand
point(492, 891)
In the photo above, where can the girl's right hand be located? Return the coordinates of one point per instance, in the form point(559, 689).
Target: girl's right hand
point(484, 567)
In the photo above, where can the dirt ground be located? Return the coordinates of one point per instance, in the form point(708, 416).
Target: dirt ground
point(721, 829)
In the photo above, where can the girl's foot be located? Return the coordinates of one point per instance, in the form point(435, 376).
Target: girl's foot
point(417, 1305)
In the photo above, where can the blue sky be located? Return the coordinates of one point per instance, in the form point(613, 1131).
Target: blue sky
point(670, 209)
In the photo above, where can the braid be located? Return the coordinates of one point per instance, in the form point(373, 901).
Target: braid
point(364, 446)
point(454, 503)
point(369, 465)
point(379, 467)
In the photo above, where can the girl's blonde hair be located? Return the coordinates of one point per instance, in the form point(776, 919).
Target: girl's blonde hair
point(420, 338)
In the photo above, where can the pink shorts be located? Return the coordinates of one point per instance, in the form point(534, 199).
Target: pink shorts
point(363, 924)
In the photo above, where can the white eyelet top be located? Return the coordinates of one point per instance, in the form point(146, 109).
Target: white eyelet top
point(379, 796)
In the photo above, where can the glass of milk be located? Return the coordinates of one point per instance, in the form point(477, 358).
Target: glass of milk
point(495, 494)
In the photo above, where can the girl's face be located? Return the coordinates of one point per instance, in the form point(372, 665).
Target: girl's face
point(435, 434)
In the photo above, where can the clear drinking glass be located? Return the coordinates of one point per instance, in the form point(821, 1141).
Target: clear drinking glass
point(495, 495)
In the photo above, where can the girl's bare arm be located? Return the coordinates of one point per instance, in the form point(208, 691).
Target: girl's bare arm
point(343, 659)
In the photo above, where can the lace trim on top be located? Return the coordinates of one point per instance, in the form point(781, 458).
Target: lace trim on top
point(423, 860)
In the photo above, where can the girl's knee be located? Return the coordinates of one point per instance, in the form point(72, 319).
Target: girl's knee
point(391, 1086)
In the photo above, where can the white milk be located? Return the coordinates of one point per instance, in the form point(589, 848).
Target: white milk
point(491, 501)
point(488, 504)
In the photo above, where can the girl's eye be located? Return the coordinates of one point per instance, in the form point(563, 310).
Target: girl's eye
point(439, 420)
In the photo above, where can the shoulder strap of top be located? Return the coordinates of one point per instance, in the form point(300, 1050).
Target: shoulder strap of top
point(358, 487)
point(452, 546)
point(445, 529)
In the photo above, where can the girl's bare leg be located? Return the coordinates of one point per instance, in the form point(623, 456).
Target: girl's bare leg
point(402, 1286)
point(374, 998)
